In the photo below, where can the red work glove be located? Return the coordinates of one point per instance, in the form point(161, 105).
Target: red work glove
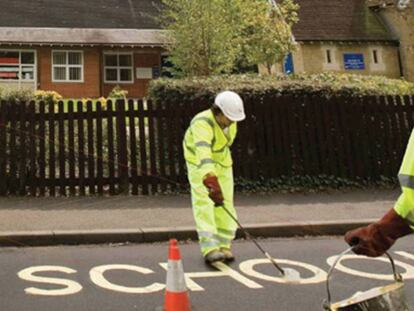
point(375, 239)
point(214, 190)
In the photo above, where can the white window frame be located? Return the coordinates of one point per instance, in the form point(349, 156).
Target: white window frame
point(34, 65)
point(67, 66)
point(118, 68)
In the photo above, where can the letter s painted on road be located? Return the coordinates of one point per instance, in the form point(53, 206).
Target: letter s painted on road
point(71, 287)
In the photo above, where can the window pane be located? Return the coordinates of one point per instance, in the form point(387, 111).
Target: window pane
point(126, 75)
point(7, 57)
point(111, 60)
point(75, 58)
point(28, 58)
point(75, 74)
point(111, 75)
point(9, 72)
point(59, 58)
point(27, 73)
point(125, 60)
point(59, 73)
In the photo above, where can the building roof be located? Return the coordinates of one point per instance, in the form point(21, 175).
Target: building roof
point(339, 20)
point(133, 22)
point(127, 14)
point(82, 36)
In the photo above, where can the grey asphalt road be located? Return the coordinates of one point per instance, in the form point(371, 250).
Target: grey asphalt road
point(130, 277)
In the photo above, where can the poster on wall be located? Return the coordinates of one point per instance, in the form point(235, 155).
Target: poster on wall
point(354, 61)
point(143, 72)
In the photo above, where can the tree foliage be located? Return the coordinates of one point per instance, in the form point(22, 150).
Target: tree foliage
point(209, 37)
point(202, 35)
point(268, 32)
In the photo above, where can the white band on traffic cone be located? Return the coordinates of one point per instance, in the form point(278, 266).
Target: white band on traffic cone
point(175, 277)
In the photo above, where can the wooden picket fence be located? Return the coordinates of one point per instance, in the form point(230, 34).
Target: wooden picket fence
point(136, 146)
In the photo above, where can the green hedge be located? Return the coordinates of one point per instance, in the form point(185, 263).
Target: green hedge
point(326, 84)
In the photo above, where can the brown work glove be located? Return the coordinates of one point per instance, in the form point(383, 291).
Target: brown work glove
point(214, 190)
point(375, 239)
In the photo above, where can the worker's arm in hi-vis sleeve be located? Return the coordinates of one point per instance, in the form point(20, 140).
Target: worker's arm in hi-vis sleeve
point(405, 204)
point(375, 239)
point(203, 136)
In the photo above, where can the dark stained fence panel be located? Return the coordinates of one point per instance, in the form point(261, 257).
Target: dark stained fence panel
point(133, 146)
point(152, 147)
point(61, 148)
point(12, 155)
point(90, 149)
point(122, 146)
point(161, 143)
point(143, 148)
point(111, 148)
point(71, 147)
point(42, 148)
point(136, 146)
point(81, 149)
point(99, 148)
point(32, 137)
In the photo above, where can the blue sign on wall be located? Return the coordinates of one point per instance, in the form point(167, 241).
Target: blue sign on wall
point(354, 62)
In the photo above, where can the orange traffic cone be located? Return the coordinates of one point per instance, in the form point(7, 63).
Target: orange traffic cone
point(176, 294)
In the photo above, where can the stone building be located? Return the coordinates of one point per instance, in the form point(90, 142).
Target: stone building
point(353, 36)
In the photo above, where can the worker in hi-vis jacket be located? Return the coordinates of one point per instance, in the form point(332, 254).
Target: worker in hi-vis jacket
point(207, 153)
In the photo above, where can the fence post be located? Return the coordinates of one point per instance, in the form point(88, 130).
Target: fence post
point(3, 148)
point(22, 149)
point(122, 147)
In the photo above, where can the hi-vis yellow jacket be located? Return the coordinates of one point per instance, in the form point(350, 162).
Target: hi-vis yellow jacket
point(405, 204)
point(206, 144)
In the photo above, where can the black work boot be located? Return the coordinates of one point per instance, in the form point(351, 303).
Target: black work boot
point(228, 255)
point(213, 256)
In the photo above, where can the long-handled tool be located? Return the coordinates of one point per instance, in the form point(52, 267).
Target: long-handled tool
point(290, 275)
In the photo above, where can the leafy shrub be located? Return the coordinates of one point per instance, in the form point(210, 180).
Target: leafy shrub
point(16, 95)
point(47, 96)
point(324, 84)
point(118, 92)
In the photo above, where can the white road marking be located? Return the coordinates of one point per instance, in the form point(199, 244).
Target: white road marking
point(248, 268)
point(406, 255)
point(96, 275)
point(224, 271)
point(71, 287)
point(408, 274)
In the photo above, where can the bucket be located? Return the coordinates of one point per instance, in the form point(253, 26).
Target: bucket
point(390, 297)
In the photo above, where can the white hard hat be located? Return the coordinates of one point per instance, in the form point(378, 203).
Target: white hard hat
point(231, 105)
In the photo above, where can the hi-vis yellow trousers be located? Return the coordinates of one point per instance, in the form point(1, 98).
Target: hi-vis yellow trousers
point(214, 226)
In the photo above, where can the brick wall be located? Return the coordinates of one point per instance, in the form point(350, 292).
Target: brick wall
point(139, 88)
point(90, 87)
point(93, 85)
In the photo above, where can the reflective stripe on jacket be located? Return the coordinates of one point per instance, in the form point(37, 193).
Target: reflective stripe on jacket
point(405, 204)
point(206, 144)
